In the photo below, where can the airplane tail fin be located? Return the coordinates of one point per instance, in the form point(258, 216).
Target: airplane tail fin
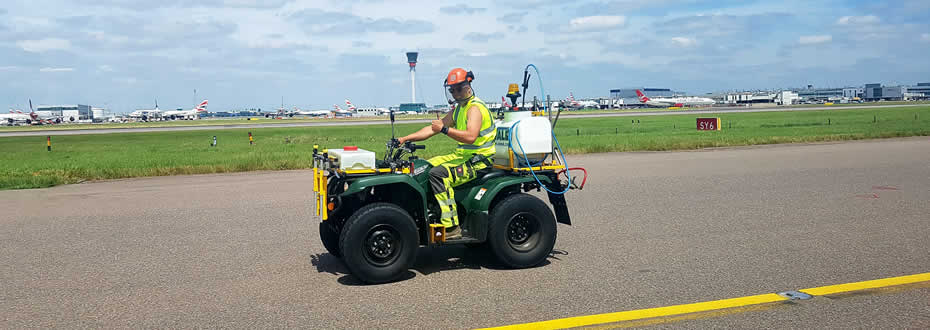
point(202, 106)
point(349, 105)
point(642, 97)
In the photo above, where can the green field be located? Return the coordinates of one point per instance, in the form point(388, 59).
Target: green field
point(77, 158)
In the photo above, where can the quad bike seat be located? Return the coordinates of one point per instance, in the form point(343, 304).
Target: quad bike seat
point(487, 174)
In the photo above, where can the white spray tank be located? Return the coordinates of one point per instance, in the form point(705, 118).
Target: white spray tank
point(534, 133)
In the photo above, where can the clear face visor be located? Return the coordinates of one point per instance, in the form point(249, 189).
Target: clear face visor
point(456, 92)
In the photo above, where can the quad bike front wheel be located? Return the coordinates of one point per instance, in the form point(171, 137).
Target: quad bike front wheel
point(379, 243)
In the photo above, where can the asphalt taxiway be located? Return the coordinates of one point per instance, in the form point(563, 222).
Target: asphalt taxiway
point(651, 229)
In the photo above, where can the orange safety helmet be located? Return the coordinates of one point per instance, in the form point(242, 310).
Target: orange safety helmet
point(458, 76)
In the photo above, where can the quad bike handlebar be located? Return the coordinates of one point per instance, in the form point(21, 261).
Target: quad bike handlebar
point(393, 157)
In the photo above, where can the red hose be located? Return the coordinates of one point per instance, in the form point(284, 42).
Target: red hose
point(583, 181)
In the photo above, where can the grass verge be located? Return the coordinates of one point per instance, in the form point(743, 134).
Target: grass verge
point(77, 158)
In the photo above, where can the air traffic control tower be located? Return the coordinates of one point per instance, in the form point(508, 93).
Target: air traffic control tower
point(412, 60)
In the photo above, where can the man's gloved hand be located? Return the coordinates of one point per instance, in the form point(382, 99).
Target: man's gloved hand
point(394, 143)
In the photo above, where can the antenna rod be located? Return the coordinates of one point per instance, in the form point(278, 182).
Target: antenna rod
point(392, 124)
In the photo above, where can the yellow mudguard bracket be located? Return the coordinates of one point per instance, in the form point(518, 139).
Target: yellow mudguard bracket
point(437, 233)
point(323, 198)
point(316, 173)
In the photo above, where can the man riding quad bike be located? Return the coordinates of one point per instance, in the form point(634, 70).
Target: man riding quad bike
point(376, 216)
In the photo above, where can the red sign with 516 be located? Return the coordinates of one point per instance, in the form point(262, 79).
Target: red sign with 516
point(708, 124)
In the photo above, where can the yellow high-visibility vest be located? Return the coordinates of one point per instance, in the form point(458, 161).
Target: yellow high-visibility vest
point(484, 144)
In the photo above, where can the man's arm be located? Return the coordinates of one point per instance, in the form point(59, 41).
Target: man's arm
point(472, 128)
point(428, 131)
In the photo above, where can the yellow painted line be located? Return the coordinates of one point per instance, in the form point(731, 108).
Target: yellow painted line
point(864, 285)
point(580, 321)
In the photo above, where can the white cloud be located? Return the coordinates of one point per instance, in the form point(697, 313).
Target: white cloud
point(9, 68)
point(105, 68)
point(816, 39)
point(595, 23)
point(56, 69)
point(857, 20)
point(44, 45)
point(684, 42)
point(925, 37)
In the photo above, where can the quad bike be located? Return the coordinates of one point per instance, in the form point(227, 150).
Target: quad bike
point(375, 218)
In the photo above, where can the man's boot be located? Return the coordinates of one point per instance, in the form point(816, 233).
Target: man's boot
point(454, 232)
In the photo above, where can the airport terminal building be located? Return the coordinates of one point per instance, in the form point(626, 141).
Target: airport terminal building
point(71, 112)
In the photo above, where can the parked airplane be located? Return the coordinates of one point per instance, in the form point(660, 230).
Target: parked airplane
point(191, 114)
point(673, 101)
point(341, 113)
point(367, 112)
point(570, 102)
point(16, 117)
point(311, 113)
point(31, 118)
point(147, 114)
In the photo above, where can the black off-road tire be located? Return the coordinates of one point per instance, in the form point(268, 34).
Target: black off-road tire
point(329, 234)
point(379, 243)
point(522, 231)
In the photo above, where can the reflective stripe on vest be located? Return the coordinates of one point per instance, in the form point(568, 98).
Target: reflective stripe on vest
point(484, 144)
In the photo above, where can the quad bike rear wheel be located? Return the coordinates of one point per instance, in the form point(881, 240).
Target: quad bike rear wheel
point(522, 231)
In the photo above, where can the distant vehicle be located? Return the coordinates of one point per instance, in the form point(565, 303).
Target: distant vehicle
point(673, 101)
point(147, 114)
point(191, 114)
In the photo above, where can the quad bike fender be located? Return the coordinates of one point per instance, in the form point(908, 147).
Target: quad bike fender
point(495, 189)
point(479, 198)
point(360, 184)
point(403, 187)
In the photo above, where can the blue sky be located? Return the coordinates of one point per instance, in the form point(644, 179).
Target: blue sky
point(123, 54)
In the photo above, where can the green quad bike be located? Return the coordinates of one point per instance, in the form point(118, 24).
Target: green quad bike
point(376, 219)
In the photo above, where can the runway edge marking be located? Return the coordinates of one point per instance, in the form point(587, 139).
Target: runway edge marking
point(588, 320)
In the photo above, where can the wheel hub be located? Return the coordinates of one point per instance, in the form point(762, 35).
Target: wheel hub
point(519, 230)
point(523, 232)
point(381, 243)
point(382, 246)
